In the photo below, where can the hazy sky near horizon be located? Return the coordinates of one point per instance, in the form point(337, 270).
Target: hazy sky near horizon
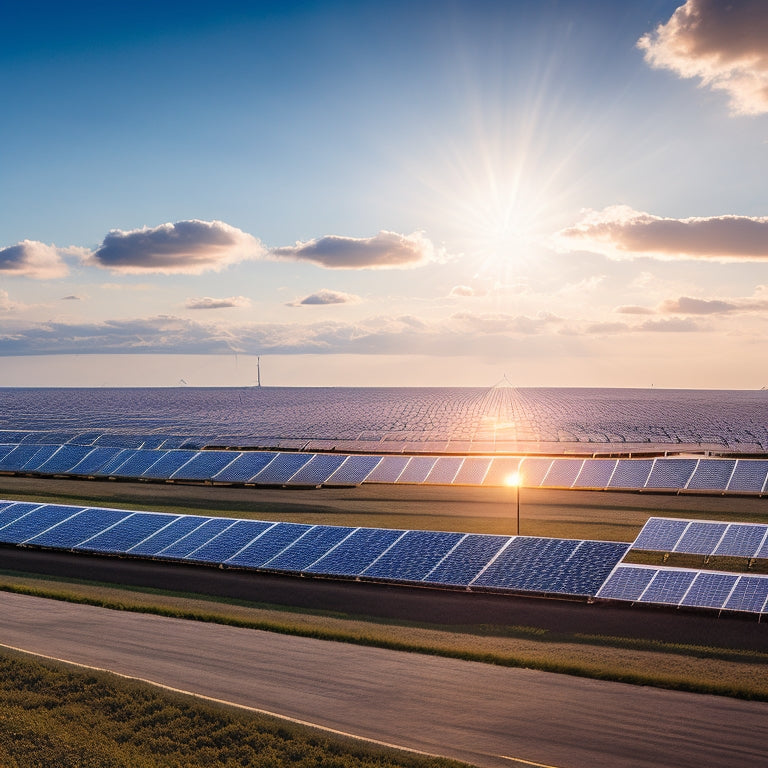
point(570, 193)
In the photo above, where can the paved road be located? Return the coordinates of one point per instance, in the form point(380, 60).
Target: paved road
point(474, 712)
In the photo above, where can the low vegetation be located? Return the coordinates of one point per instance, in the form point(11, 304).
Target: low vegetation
point(56, 715)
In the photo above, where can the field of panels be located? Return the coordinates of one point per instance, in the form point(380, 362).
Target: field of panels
point(501, 419)
point(301, 469)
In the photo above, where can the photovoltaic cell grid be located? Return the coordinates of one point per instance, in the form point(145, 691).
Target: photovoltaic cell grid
point(687, 587)
point(703, 537)
point(431, 557)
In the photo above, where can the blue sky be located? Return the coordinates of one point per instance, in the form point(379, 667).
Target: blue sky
point(568, 193)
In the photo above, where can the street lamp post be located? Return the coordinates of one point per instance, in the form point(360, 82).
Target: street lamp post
point(516, 480)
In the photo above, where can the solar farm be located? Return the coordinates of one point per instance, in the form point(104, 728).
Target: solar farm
point(411, 440)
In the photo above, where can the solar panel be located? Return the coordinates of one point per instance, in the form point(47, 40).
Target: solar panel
point(460, 566)
point(353, 555)
point(94, 461)
point(533, 471)
point(562, 473)
point(176, 528)
point(631, 473)
point(43, 453)
point(13, 511)
point(244, 467)
point(76, 529)
point(5, 450)
point(472, 472)
point(354, 470)
point(64, 459)
point(167, 463)
point(748, 476)
point(501, 468)
point(196, 538)
point(309, 548)
point(742, 540)
point(444, 470)
point(137, 463)
point(36, 521)
point(417, 469)
point(670, 473)
point(749, 594)
point(595, 473)
point(585, 570)
point(710, 589)
point(627, 582)
point(660, 534)
point(280, 470)
point(712, 475)
point(108, 468)
point(317, 470)
point(270, 543)
point(388, 469)
point(668, 587)
point(127, 533)
point(230, 541)
point(700, 538)
point(204, 465)
point(413, 556)
point(18, 457)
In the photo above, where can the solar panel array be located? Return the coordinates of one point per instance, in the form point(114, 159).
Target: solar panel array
point(703, 537)
point(684, 587)
point(436, 558)
point(277, 468)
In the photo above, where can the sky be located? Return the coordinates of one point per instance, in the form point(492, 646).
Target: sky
point(421, 193)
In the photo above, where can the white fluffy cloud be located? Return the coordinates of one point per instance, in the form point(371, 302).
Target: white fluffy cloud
point(206, 302)
point(324, 297)
point(621, 232)
point(386, 250)
point(185, 247)
point(725, 44)
point(30, 258)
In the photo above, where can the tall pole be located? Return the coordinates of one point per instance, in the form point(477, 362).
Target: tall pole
point(517, 496)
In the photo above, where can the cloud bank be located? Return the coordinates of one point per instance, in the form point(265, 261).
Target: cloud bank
point(206, 302)
point(725, 44)
point(621, 232)
point(30, 258)
point(186, 247)
point(386, 250)
point(324, 297)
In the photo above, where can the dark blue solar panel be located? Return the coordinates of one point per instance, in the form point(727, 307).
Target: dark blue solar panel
point(670, 473)
point(668, 587)
point(281, 469)
point(413, 556)
point(167, 463)
point(37, 521)
point(710, 590)
point(13, 511)
point(631, 473)
point(749, 476)
point(108, 468)
point(463, 564)
point(273, 541)
point(627, 582)
point(660, 534)
point(712, 475)
point(310, 547)
point(196, 538)
point(354, 470)
point(319, 468)
point(244, 467)
point(749, 594)
point(357, 552)
point(562, 473)
point(700, 538)
point(64, 459)
point(742, 540)
point(763, 551)
point(417, 469)
point(43, 453)
point(94, 461)
point(138, 463)
point(5, 450)
point(176, 528)
point(128, 532)
point(472, 471)
point(77, 529)
point(595, 473)
point(388, 469)
point(205, 465)
point(230, 541)
point(527, 564)
point(17, 458)
point(584, 572)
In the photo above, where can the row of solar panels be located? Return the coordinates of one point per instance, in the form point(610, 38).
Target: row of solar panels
point(684, 587)
point(315, 469)
point(703, 537)
point(477, 561)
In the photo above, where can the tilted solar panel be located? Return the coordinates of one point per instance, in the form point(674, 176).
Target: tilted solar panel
point(18, 457)
point(595, 473)
point(413, 556)
point(354, 470)
point(244, 467)
point(670, 473)
point(417, 469)
point(562, 473)
point(128, 532)
point(309, 548)
point(36, 521)
point(388, 469)
point(78, 528)
point(184, 546)
point(748, 476)
point(230, 541)
point(631, 473)
point(467, 559)
point(281, 469)
point(712, 475)
point(167, 535)
point(472, 472)
point(627, 582)
point(13, 510)
point(742, 540)
point(94, 461)
point(660, 534)
point(700, 538)
point(749, 594)
point(317, 470)
point(64, 459)
point(444, 470)
point(353, 555)
point(500, 470)
point(204, 465)
point(533, 471)
point(270, 543)
point(710, 589)
point(668, 587)
point(137, 463)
